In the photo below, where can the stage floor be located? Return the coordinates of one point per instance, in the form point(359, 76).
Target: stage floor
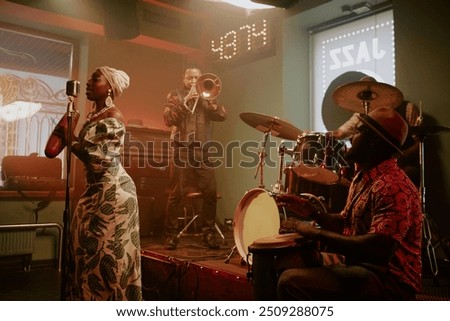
point(193, 271)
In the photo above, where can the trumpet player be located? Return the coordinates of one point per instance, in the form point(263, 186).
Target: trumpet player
point(192, 109)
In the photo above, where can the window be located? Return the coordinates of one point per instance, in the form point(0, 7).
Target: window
point(33, 74)
point(345, 54)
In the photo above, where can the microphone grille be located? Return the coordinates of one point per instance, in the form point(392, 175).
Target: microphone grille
point(72, 88)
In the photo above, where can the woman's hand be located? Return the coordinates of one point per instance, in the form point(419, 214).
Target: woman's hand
point(57, 140)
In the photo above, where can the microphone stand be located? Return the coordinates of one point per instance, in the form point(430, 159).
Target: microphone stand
point(67, 214)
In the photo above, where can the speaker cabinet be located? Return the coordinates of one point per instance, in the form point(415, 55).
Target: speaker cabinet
point(146, 157)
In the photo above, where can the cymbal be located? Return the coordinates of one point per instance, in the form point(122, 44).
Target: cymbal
point(316, 174)
point(274, 125)
point(351, 96)
point(427, 130)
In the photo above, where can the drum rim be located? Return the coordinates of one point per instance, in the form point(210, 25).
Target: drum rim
point(238, 219)
point(280, 241)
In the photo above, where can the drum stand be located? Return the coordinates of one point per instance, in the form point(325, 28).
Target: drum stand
point(426, 219)
point(233, 250)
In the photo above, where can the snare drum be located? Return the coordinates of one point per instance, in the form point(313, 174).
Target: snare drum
point(274, 254)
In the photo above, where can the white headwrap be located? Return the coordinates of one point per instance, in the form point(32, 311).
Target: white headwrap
point(118, 79)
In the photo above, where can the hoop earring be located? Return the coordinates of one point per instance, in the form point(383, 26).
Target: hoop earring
point(109, 101)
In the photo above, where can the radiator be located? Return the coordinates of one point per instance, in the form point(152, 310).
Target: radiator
point(21, 243)
point(18, 239)
point(17, 242)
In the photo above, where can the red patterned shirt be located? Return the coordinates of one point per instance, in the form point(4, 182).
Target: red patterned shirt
point(384, 201)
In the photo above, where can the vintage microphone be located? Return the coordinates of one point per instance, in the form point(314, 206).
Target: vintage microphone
point(72, 91)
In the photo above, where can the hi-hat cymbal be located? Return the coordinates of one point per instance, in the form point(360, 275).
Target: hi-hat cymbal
point(427, 130)
point(274, 125)
point(352, 96)
point(316, 174)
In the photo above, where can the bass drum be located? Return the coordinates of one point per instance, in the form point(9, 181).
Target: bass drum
point(259, 215)
point(256, 216)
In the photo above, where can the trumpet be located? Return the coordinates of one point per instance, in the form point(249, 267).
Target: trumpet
point(208, 87)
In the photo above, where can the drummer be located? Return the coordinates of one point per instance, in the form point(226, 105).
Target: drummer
point(378, 232)
point(409, 159)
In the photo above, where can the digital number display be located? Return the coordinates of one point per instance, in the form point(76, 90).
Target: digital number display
point(241, 42)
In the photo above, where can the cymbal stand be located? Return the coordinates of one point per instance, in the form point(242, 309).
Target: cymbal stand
point(262, 155)
point(366, 104)
point(426, 227)
point(278, 187)
point(366, 96)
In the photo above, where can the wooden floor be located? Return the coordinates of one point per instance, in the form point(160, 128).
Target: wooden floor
point(191, 272)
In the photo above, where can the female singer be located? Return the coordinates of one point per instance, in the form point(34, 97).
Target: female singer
point(104, 244)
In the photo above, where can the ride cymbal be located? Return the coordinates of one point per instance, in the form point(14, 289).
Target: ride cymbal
point(352, 96)
point(274, 125)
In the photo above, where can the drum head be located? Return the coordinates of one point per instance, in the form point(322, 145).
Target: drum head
point(256, 216)
point(277, 241)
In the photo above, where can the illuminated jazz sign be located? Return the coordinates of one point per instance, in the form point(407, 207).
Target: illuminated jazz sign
point(356, 54)
point(364, 46)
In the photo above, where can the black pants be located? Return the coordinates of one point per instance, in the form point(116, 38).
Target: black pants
point(189, 174)
point(173, 206)
point(340, 282)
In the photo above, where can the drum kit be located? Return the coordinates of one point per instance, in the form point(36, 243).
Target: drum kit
point(258, 216)
point(258, 239)
point(317, 165)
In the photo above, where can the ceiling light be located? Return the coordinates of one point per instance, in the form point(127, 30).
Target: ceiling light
point(358, 8)
point(247, 4)
point(361, 7)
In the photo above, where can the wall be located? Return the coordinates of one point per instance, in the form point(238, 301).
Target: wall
point(152, 73)
point(422, 46)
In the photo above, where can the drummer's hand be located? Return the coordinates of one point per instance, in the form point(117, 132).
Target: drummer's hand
point(298, 205)
point(307, 229)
